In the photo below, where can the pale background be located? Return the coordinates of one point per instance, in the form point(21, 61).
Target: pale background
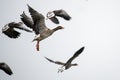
point(95, 24)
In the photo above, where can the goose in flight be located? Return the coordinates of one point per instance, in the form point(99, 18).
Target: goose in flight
point(9, 30)
point(5, 68)
point(52, 15)
point(68, 64)
point(37, 24)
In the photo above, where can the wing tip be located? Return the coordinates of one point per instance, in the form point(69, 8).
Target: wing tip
point(6, 68)
point(54, 20)
point(13, 34)
point(46, 58)
point(82, 48)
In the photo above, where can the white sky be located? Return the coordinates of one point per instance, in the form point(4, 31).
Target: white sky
point(95, 25)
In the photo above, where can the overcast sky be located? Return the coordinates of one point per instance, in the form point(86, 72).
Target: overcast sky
point(95, 24)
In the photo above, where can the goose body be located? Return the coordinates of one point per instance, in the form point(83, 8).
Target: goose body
point(37, 24)
point(68, 64)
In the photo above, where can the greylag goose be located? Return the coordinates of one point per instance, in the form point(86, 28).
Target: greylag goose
point(52, 15)
point(6, 68)
point(37, 23)
point(68, 64)
point(9, 30)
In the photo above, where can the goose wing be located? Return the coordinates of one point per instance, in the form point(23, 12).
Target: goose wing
point(54, 20)
point(6, 68)
point(10, 32)
point(62, 13)
point(19, 25)
point(56, 62)
point(51, 15)
point(77, 53)
point(38, 19)
point(27, 20)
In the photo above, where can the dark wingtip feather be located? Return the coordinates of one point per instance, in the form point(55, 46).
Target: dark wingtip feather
point(6, 68)
point(8, 71)
point(54, 20)
point(81, 49)
point(12, 34)
point(49, 59)
point(67, 17)
point(28, 5)
point(26, 20)
point(78, 52)
point(62, 13)
point(30, 8)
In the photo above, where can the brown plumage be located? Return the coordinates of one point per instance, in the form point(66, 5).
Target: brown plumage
point(37, 23)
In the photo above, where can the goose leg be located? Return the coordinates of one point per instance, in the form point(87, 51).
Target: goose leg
point(37, 46)
point(61, 69)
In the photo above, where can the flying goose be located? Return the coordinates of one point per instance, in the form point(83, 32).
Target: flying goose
point(5, 68)
point(52, 15)
point(9, 30)
point(37, 24)
point(68, 64)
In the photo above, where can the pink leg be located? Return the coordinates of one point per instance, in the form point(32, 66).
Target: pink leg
point(37, 46)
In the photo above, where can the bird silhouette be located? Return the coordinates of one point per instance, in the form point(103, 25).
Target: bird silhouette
point(52, 15)
point(37, 24)
point(67, 64)
point(9, 29)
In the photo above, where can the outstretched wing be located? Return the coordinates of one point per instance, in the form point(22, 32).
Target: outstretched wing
point(19, 25)
point(52, 15)
point(10, 32)
point(77, 53)
point(62, 13)
point(6, 68)
point(27, 20)
point(56, 62)
point(38, 19)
